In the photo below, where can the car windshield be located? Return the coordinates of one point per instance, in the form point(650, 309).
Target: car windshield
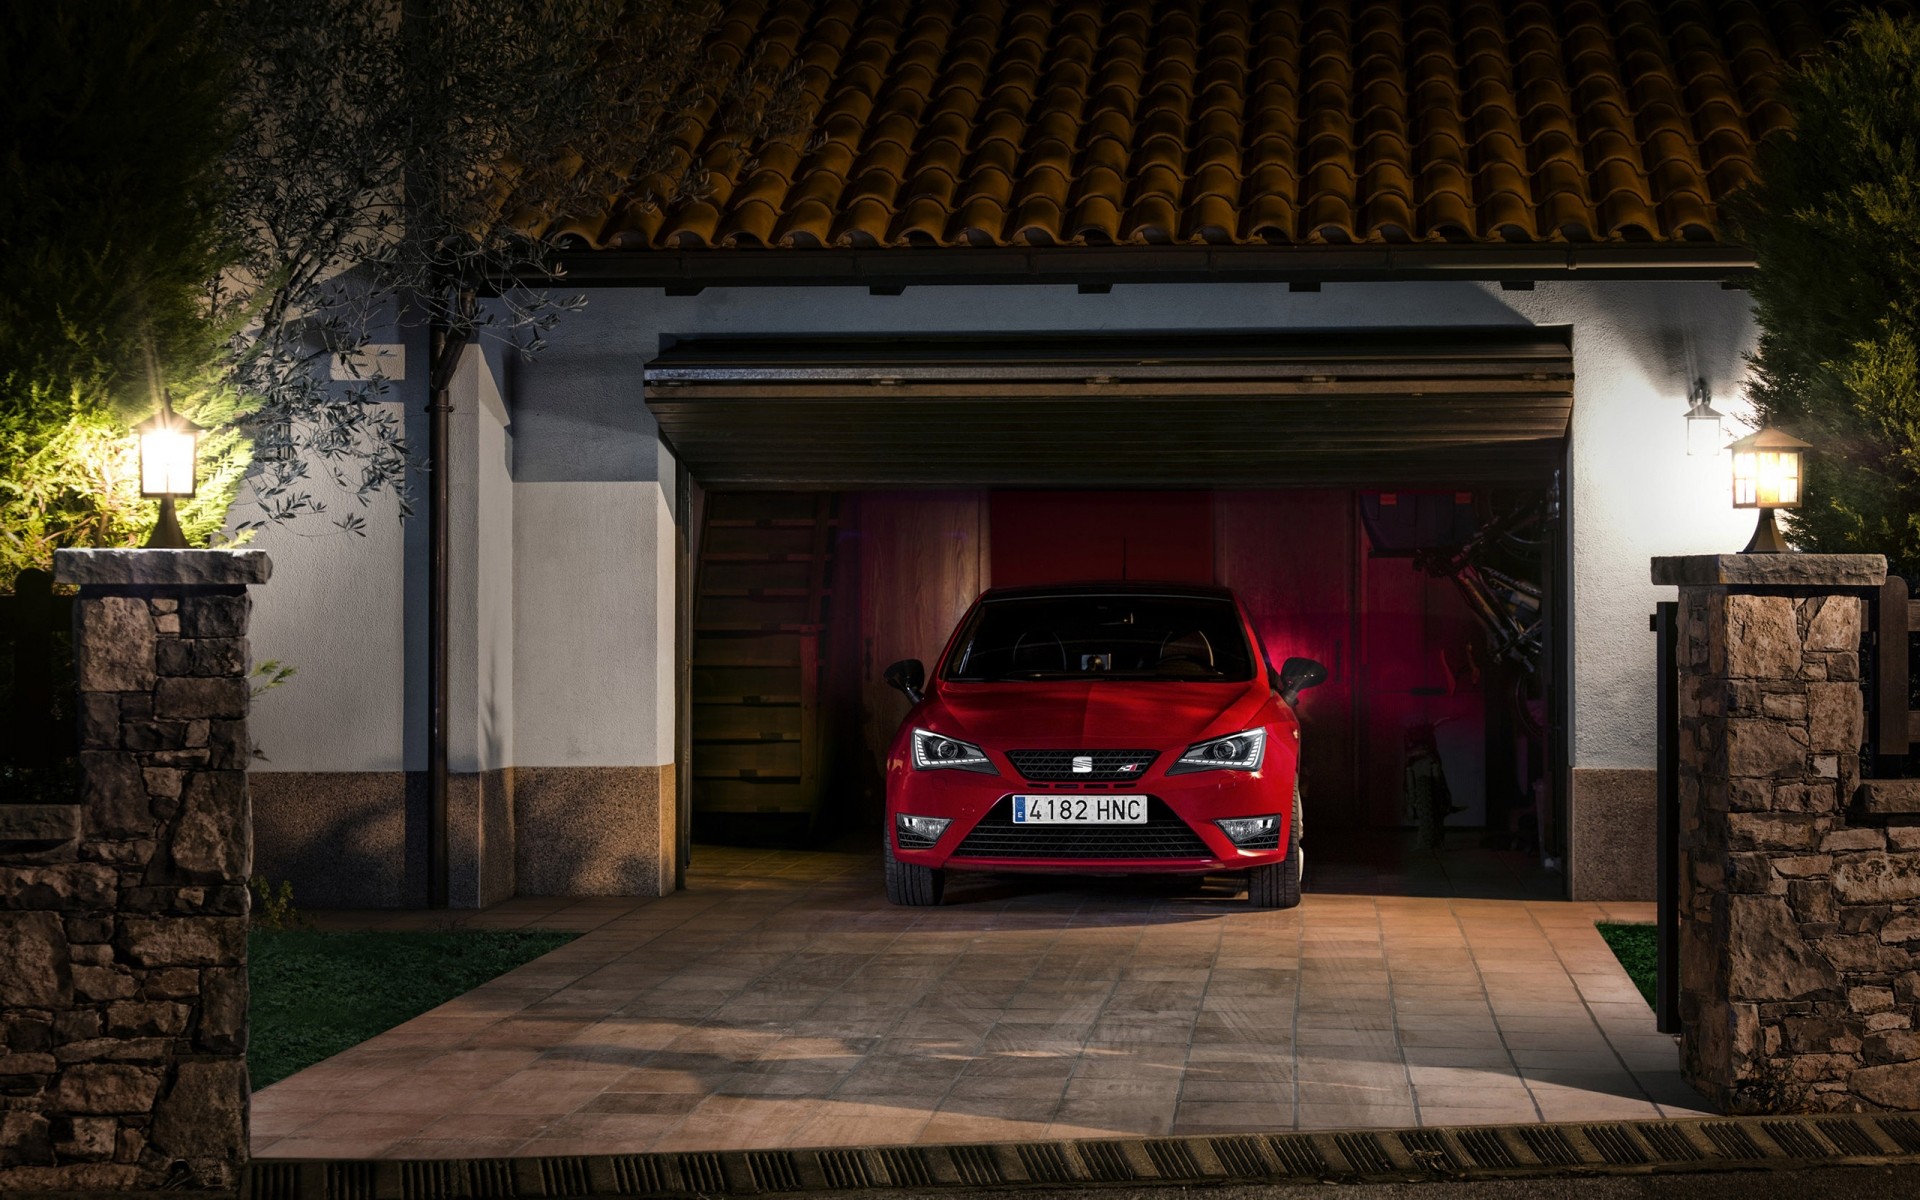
point(1134, 637)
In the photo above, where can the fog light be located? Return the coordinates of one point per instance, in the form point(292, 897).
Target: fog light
point(1243, 830)
point(919, 833)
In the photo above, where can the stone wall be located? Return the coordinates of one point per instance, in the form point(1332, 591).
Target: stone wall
point(124, 998)
point(1799, 913)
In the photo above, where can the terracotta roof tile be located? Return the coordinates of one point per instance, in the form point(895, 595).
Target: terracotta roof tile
point(1074, 122)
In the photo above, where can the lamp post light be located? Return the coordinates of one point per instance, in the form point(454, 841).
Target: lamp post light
point(168, 445)
point(1768, 467)
point(1703, 422)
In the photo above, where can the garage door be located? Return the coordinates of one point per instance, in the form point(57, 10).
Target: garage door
point(1399, 408)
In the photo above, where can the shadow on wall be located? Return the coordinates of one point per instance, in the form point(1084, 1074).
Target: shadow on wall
point(345, 839)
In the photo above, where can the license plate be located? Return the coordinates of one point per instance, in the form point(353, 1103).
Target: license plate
point(1079, 810)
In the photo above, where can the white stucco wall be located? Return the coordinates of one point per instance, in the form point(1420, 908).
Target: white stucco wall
point(590, 504)
point(480, 557)
point(593, 642)
point(348, 613)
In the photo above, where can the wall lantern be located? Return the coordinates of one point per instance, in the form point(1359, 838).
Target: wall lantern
point(1768, 467)
point(168, 446)
point(1704, 434)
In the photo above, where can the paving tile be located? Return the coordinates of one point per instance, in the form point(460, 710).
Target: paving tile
point(779, 1001)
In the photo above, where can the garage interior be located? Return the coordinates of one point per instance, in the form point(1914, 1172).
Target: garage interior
point(1386, 504)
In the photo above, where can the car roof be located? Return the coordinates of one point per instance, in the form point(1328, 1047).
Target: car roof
point(1183, 591)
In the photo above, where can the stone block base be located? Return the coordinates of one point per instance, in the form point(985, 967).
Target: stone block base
point(357, 839)
point(594, 831)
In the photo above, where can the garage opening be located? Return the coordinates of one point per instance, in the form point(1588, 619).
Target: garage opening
point(1386, 504)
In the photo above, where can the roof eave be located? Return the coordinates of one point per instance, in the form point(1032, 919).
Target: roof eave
point(1099, 267)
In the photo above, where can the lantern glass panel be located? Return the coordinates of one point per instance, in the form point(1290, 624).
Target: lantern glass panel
point(166, 462)
point(1766, 479)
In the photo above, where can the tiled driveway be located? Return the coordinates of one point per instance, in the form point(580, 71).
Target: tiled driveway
point(780, 1001)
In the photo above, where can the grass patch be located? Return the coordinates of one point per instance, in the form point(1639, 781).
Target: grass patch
point(1637, 948)
point(315, 994)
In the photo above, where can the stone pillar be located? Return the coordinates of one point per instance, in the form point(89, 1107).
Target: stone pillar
point(124, 994)
point(1798, 927)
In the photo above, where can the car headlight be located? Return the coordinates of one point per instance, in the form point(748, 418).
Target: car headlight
point(1235, 752)
point(936, 752)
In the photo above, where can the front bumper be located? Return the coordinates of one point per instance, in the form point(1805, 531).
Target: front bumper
point(1179, 839)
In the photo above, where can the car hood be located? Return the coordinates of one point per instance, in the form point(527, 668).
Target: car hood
point(1073, 713)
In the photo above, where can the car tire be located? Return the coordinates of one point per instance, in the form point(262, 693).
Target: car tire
point(910, 883)
point(1278, 885)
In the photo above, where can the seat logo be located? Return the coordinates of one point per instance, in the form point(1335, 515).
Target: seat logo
point(1083, 764)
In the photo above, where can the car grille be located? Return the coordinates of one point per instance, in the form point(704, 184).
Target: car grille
point(1056, 766)
point(1164, 835)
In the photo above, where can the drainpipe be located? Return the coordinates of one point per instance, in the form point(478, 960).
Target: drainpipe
point(444, 347)
point(439, 406)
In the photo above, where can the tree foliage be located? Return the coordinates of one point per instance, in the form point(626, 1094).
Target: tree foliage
point(397, 156)
point(112, 223)
point(247, 188)
point(1835, 226)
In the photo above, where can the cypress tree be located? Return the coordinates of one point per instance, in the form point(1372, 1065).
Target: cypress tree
point(1835, 225)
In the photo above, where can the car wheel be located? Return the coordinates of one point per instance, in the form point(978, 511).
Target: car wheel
point(1278, 885)
point(911, 883)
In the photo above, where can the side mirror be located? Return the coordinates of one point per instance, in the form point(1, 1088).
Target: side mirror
point(1299, 674)
point(910, 676)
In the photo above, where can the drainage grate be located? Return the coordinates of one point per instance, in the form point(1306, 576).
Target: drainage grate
point(428, 1179)
point(565, 1177)
point(1796, 1139)
point(1487, 1149)
point(1364, 1152)
point(1298, 1155)
point(1904, 1131)
point(1045, 1162)
point(1428, 1149)
point(1173, 1159)
point(906, 1168)
point(1731, 1140)
point(1549, 1145)
point(1616, 1147)
point(274, 1180)
point(845, 1169)
point(1847, 1137)
point(1671, 1143)
point(349, 1181)
point(1241, 1157)
point(1615, 1144)
point(640, 1175)
point(975, 1164)
point(702, 1173)
point(773, 1171)
point(1106, 1162)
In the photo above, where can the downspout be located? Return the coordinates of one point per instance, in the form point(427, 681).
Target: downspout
point(439, 406)
point(444, 348)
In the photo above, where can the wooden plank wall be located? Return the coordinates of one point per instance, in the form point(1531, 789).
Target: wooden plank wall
point(923, 558)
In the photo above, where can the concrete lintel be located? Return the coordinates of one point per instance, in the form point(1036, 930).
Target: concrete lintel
point(161, 568)
point(1772, 570)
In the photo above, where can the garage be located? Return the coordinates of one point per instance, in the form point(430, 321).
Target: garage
point(1386, 502)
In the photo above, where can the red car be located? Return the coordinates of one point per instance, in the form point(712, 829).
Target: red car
point(1099, 729)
